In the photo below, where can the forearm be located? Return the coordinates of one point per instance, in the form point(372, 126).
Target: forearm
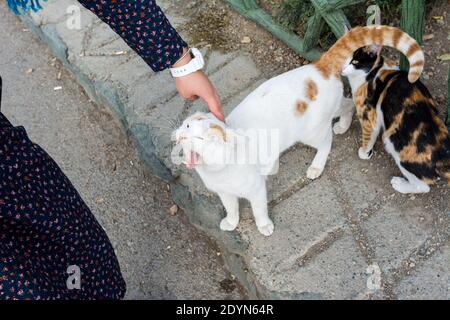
point(144, 27)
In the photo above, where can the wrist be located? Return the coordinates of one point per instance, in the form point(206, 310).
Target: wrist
point(190, 62)
point(185, 59)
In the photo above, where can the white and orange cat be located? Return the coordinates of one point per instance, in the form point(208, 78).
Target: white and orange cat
point(300, 105)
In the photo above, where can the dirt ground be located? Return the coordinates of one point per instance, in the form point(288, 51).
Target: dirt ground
point(436, 71)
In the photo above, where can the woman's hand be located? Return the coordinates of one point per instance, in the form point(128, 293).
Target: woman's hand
point(196, 85)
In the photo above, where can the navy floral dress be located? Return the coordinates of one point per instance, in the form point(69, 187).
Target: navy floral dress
point(144, 27)
point(45, 227)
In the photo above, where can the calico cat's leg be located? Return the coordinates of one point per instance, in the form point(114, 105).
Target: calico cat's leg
point(258, 201)
point(370, 134)
point(231, 204)
point(411, 184)
point(345, 114)
point(323, 150)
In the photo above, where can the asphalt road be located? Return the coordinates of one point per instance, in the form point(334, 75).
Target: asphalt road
point(161, 256)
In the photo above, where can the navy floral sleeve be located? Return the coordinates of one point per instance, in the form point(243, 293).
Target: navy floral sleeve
point(144, 27)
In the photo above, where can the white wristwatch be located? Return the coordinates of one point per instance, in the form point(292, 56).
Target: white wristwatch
point(197, 63)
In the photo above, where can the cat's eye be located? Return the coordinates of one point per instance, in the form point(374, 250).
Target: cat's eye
point(187, 126)
point(355, 62)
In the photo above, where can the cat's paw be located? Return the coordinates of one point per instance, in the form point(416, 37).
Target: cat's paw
point(363, 154)
point(225, 225)
point(339, 128)
point(404, 186)
point(313, 172)
point(267, 229)
point(400, 184)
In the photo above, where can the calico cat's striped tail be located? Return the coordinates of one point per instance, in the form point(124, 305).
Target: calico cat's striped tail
point(332, 62)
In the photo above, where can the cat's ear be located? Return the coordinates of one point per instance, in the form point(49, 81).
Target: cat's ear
point(346, 28)
point(375, 49)
point(217, 132)
point(225, 135)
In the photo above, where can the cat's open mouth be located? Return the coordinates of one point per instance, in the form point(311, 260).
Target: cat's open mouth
point(192, 159)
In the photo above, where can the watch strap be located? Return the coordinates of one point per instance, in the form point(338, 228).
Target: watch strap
point(194, 65)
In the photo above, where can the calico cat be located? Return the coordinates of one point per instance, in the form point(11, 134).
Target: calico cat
point(413, 133)
point(300, 105)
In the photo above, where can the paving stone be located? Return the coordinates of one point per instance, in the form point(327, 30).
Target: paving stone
point(99, 36)
point(395, 231)
point(302, 220)
point(116, 49)
point(55, 11)
point(336, 273)
point(217, 59)
point(291, 175)
point(234, 77)
point(98, 68)
point(148, 94)
point(364, 182)
point(430, 280)
point(73, 38)
point(129, 73)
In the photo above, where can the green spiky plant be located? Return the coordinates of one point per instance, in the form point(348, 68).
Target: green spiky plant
point(294, 14)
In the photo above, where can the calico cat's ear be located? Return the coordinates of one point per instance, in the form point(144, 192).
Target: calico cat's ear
point(375, 49)
point(346, 28)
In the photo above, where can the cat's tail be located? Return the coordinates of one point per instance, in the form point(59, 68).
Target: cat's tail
point(332, 62)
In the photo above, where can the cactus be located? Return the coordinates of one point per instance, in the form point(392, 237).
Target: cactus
point(412, 22)
point(326, 11)
point(329, 12)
